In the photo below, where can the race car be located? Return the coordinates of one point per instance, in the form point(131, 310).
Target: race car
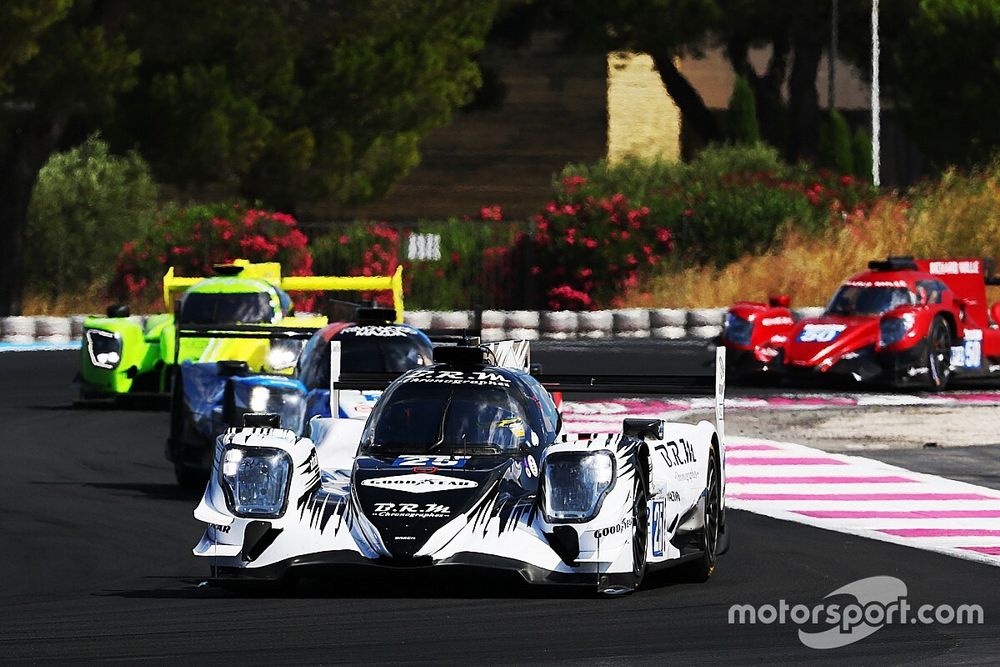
point(210, 397)
point(120, 356)
point(904, 322)
point(465, 463)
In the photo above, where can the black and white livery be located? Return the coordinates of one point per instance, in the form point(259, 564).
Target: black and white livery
point(465, 463)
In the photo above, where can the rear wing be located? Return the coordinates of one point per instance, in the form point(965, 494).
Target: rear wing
point(681, 385)
point(271, 272)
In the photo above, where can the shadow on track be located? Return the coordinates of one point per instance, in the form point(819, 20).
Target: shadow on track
point(444, 582)
point(155, 491)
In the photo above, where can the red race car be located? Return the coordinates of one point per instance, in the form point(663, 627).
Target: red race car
point(904, 322)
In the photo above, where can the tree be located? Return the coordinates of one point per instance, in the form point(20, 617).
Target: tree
point(948, 62)
point(63, 75)
point(86, 204)
point(742, 125)
point(284, 102)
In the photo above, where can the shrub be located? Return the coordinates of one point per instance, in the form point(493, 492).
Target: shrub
point(453, 263)
point(589, 250)
point(728, 201)
point(741, 118)
point(86, 203)
point(194, 238)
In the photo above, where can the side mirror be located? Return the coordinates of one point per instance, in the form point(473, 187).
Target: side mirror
point(995, 313)
point(779, 301)
point(118, 310)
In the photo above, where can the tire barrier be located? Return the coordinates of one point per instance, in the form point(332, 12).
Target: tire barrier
point(595, 324)
point(659, 323)
point(16, 329)
point(631, 323)
point(558, 324)
point(53, 329)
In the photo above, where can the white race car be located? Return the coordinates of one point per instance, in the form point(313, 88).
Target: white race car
point(464, 463)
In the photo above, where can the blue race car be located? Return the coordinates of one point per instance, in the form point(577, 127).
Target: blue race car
point(211, 397)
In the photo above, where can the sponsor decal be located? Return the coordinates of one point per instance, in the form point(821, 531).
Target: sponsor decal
point(777, 321)
point(411, 510)
point(410, 460)
point(531, 465)
point(967, 355)
point(220, 528)
point(619, 527)
point(672, 496)
point(820, 333)
point(419, 483)
point(954, 268)
point(405, 537)
point(378, 331)
point(684, 476)
point(875, 283)
point(474, 378)
point(658, 537)
point(677, 453)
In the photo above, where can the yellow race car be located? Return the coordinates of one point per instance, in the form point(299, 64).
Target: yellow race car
point(120, 356)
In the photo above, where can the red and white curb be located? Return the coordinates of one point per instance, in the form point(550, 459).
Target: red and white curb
point(864, 497)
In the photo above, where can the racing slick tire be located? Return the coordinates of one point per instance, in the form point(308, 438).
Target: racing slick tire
point(640, 532)
point(630, 582)
point(700, 570)
point(938, 354)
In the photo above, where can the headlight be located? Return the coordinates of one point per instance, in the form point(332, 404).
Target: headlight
point(738, 329)
point(286, 401)
point(892, 329)
point(104, 348)
point(283, 353)
point(575, 484)
point(255, 481)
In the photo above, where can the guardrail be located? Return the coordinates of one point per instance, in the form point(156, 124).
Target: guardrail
point(658, 323)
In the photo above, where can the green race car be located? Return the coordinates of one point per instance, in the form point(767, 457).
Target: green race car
point(120, 356)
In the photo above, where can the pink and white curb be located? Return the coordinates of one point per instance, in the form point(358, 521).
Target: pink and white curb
point(860, 496)
point(848, 494)
point(600, 415)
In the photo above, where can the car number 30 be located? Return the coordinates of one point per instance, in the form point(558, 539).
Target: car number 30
point(819, 333)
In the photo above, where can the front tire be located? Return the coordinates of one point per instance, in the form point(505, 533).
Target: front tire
point(938, 354)
point(640, 532)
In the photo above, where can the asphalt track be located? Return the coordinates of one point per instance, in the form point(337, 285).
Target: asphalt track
point(96, 554)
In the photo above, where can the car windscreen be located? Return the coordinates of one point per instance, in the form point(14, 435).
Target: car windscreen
point(858, 300)
point(366, 355)
point(421, 418)
point(232, 308)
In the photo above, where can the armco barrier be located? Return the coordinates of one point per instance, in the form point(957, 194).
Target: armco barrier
point(660, 323)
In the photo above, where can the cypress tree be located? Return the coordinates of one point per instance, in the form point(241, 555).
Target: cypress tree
point(742, 115)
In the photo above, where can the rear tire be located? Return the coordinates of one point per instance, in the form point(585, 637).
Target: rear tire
point(704, 567)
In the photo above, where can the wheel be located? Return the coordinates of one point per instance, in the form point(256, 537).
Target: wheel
point(640, 531)
point(701, 569)
point(938, 354)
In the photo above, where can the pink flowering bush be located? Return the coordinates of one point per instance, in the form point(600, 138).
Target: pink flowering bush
point(194, 239)
point(587, 250)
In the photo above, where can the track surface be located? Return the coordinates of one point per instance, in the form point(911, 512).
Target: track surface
point(96, 554)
